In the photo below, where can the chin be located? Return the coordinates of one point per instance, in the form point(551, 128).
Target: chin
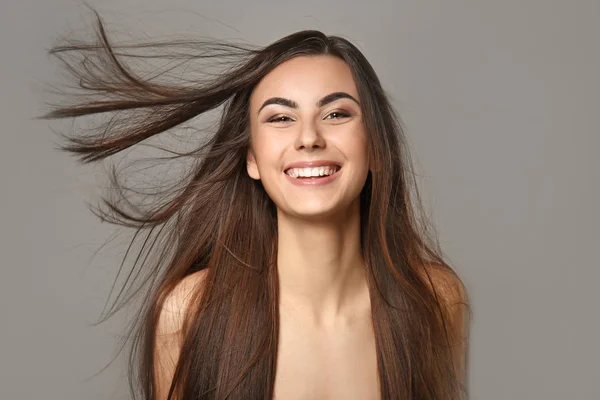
point(316, 212)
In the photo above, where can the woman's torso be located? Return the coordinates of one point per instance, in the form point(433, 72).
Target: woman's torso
point(326, 364)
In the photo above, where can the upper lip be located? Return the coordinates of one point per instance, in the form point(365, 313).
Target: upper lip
point(311, 164)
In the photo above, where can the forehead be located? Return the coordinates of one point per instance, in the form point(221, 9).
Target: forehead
point(305, 79)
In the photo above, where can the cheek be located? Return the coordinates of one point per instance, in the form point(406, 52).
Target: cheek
point(267, 151)
point(357, 149)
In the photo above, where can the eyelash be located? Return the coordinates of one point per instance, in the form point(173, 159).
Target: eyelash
point(277, 118)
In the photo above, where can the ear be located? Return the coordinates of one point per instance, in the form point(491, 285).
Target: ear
point(251, 166)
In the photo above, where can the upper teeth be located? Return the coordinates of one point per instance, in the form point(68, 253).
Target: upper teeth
point(307, 172)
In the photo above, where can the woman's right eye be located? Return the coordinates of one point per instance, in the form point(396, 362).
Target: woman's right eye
point(281, 118)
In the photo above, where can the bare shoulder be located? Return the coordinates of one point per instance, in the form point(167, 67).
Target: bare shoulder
point(177, 302)
point(169, 332)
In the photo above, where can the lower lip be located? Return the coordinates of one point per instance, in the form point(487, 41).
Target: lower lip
point(313, 181)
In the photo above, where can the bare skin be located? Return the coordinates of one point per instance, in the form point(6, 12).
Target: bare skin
point(326, 340)
point(326, 362)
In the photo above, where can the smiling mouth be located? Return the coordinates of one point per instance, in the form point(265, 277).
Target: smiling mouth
point(327, 172)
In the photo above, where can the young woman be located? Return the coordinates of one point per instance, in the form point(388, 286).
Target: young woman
point(293, 260)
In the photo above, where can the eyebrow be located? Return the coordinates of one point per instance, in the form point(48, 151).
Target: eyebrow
point(292, 104)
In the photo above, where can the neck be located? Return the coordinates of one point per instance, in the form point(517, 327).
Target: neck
point(321, 268)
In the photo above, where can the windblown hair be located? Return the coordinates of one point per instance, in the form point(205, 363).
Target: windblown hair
point(216, 217)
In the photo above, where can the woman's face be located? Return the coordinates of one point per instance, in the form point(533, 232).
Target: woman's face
point(294, 119)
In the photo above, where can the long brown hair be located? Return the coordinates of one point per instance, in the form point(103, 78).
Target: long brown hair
point(215, 216)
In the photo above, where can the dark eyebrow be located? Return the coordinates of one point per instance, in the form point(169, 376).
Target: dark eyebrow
point(292, 104)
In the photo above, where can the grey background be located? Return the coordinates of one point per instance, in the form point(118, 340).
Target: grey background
point(501, 102)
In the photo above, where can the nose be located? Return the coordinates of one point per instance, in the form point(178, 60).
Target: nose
point(309, 137)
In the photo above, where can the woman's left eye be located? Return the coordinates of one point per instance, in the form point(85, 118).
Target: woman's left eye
point(340, 113)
